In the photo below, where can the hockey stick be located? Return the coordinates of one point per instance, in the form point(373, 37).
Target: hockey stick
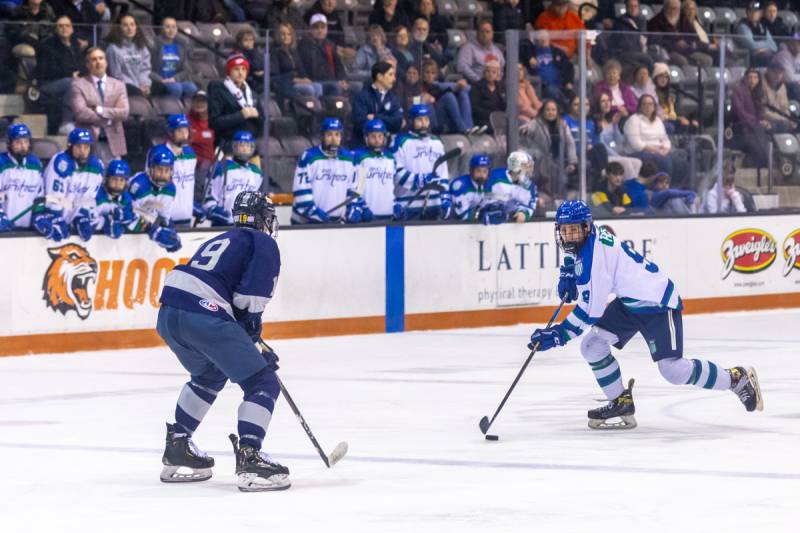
point(355, 193)
point(485, 423)
point(338, 452)
point(444, 158)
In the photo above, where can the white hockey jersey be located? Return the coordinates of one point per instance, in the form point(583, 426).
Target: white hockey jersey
point(606, 266)
point(183, 178)
point(223, 189)
point(21, 183)
point(152, 204)
point(69, 187)
point(520, 198)
point(415, 157)
point(322, 182)
point(379, 171)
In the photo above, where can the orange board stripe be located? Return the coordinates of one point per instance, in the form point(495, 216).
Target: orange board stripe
point(145, 338)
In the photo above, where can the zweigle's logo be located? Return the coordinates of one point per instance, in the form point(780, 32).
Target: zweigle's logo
point(791, 252)
point(747, 251)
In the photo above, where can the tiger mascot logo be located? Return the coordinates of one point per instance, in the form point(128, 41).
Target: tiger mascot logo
point(70, 280)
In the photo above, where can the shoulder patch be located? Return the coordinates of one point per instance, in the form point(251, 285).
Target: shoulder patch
point(63, 165)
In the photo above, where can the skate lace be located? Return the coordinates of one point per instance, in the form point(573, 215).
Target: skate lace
point(195, 450)
point(742, 391)
point(264, 456)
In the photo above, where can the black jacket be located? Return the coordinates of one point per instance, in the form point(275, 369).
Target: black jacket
point(484, 101)
point(285, 66)
point(335, 24)
point(225, 116)
point(369, 102)
point(56, 61)
point(315, 61)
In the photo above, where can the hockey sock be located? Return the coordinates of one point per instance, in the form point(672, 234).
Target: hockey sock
point(255, 412)
point(193, 403)
point(608, 375)
point(708, 375)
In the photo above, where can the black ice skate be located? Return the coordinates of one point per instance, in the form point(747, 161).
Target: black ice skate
point(183, 462)
point(744, 383)
point(256, 471)
point(620, 407)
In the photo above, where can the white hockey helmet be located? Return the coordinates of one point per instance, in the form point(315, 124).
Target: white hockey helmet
point(520, 166)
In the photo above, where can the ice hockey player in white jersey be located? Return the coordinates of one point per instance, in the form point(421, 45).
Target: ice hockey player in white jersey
point(420, 194)
point(153, 193)
point(231, 176)
point(179, 133)
point(71, 181)
point(113, 213)
point(21, 182)
point(513, 187)
point(470, 193)
point(324, 178)
point(376, 166)
point(646, 301)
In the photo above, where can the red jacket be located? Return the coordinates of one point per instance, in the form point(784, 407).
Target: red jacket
point(202, 137)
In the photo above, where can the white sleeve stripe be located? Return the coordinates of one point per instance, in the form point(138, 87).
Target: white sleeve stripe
point(252, 304)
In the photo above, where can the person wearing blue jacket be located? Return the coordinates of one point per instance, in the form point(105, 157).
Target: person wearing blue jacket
point(377, 100)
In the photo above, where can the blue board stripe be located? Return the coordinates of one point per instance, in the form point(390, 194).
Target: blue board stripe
point(395, 279)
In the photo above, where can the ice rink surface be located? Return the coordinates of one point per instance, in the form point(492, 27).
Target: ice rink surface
point(81, 437)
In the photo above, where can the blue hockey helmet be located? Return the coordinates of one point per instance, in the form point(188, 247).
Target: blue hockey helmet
point(80, 136)
point(419, 110)
point(480, 160)
point(160, 165)
point(569, 213)
point(117, 174)
point(243, 146)
point(375, 125)
point(254, 209)
point(18, 131)
point(178, 120)
point(479, 165)
point(331, 124)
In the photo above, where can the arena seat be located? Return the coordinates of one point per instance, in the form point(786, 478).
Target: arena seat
point(167, 105)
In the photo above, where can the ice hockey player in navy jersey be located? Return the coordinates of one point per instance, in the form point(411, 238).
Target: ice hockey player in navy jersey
point(231, 176)
point(71, 181)
point(375, 165)
point(21, 183)
point(210, 316)
point(113, 213)
point(646, 301)
point(153, 193)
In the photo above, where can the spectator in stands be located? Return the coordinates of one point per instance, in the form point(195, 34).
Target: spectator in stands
point(371, 52)
point(731, 198)
point(320, 58)
point(638, 187)
point(82, 13)
point(669, 201)
point(596, 156)
point(450, 101)
point(559, 17)
point(333, 20)
point(506, 15)
point(755, 37)
point(642, 84)
point(100, 103)
point(437, 24)
point(388, 16)
point(622, 97)
point(232, 104)
point(528, 102)
point(609, 198)
point(281, 12)
point(488, 95)
point(401, 50)
point(647, 140)
point(202, 142)
point(423, 47)
point(628, 43)
point(409, 89)
point(474, 55)
point(287, 74)
point(666, 102)
point(607, 124)
point(774, 23)
point(377, 100)
point(129, 57)
point(789, 59)
point(551, 144)
point(682, 48)
point(60, 60)
point(34, 19)
point(549, 64)
point(749, 126)
point(169, 62)
point(776, 101)
point(246, 45)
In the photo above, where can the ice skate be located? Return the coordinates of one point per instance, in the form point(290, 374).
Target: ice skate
point(256, 471)
point(183, 461)
point(621, 407)
point(744, 383)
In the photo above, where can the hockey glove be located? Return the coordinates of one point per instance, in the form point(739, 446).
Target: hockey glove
point(318, 215)
point(251, 322)
point(397, 211)
point(198, 212)
point(112, 225)
point(219, 217)
point(165, 237)
point(5, 224)
point(51, 227)
point(447, 206)
point(492, 214)
point(355, 212)
point(548, 338)
point(83, 225)
point(271, 358)
point(567, 282)
point(43, 224)
point(690, 198)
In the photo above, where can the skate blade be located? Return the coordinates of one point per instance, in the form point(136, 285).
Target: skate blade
point(751, 373)
point(184, 474)
point(248, 482)
point(625, 422)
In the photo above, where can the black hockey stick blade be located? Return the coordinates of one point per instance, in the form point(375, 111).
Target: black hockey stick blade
point(444, 158)
point(484, 424)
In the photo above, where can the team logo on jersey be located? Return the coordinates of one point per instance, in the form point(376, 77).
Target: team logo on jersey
point(791, 252)
point(70, 280)
point(208, 304)
point(748, 251)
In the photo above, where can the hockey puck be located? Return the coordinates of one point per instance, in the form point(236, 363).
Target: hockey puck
point(492, 437)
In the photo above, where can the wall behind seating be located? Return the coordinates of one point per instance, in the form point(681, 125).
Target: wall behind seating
point(61, 297)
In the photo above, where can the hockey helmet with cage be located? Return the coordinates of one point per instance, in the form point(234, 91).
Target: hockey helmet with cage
point(520, 167)
point(570, 213)
point(253, 209)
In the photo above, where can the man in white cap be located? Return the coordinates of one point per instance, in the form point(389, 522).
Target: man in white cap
point(320, 58)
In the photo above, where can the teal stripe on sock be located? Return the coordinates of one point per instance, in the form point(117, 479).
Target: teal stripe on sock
point(698, 368)
point(609, 379)
point(712, 376)
point(605, 362)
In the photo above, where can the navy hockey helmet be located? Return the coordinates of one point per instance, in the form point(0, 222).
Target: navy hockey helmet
point(19, 131)
point(117, 174)
point(571, 213)
point(253, 209)
point(375, 125)
point(160, 165)
point(243, 146)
